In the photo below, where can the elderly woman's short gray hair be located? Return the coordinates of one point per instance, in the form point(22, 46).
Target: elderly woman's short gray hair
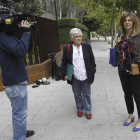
point(75, 31)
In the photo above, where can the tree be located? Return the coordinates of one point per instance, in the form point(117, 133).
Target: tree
point(63, 7)
point(76, 11)
point(68, 10)
point(27, 6)
point(108, 10)
point(104, 11)
point(92, 24)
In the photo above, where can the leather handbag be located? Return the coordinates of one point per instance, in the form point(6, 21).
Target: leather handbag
point(135, 69)
point(113, 56)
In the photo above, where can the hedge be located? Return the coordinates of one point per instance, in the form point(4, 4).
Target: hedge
point(65, 25)
point(68, 22)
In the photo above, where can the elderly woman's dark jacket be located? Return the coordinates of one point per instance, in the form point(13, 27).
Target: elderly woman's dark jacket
point(135, 43)
point(88, 59)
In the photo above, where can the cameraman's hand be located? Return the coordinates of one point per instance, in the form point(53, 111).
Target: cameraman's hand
point(25, 23)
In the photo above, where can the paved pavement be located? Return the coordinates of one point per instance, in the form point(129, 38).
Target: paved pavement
point(52, 111)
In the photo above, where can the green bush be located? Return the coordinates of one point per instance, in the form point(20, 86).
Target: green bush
point(64, 35)
point(64, 22)
point(65, 25)
point(80, 26)
point(93, 34)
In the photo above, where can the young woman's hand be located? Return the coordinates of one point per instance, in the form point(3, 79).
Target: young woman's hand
point(118, 40)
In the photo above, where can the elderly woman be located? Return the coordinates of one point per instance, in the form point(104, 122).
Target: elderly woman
point(81, 57)
point(129, 56)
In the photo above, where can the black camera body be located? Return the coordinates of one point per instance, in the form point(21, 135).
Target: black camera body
point(10, 21)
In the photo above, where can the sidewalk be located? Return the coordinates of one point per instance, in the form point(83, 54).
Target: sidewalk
point(52, 111)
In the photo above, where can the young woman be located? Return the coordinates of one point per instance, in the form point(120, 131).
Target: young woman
point(128, 48)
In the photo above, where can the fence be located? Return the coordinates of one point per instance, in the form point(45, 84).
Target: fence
point(46, 40)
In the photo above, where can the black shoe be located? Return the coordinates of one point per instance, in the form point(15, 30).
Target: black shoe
point(30, 133)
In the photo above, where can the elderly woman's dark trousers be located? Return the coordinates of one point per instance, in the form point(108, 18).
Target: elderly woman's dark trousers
point(131, 87)
point(82, 94)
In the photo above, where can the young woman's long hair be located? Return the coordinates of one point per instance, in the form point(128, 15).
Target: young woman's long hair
point(135, 23)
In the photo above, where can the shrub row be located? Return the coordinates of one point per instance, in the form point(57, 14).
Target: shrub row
point(65, 25)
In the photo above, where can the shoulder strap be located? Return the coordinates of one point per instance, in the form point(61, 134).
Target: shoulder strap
point(68, 52)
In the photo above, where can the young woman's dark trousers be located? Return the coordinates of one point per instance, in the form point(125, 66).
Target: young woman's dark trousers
point(131, 87)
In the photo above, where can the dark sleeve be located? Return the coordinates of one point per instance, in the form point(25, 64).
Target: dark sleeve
point(15, 47)
point(92, 59)
point(31, 44)
point(64, 62)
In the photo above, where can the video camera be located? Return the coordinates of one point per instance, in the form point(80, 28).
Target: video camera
point(10, 21)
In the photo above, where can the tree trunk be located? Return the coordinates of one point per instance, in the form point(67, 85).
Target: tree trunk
point(115, 26)
point(74, 13)
point(108, 36)
point(112, 34)
point(105, 34)
point(60, 10)
point(60, 16)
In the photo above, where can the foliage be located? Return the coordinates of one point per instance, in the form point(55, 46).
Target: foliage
point(68, 22)
point(68, 10)
point(91, 24)
point(64, 36)
point(27, 6)
point(93, 34)
point(102, 13)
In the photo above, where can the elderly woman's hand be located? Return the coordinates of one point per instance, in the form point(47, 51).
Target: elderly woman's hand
point(66, 77)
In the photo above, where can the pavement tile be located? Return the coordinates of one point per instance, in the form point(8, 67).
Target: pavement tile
point(118, 118)
point(100, 137)
point(100, 119)
point(120, 130)
point(7, 133)
point(41, 120)
point(32, 111)
point(71, 130)
point(3, 127)
point(67, 104)
point(36, 104)
point(127, 138)
point(80, 138)
point(6, 120)
point(103, 130)
point(100, 103)
point(8, 112)
point(100, 110)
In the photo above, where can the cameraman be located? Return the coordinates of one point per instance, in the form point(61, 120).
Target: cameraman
point(14, 77)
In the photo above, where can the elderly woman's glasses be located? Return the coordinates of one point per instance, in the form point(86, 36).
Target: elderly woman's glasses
point(77, 36)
